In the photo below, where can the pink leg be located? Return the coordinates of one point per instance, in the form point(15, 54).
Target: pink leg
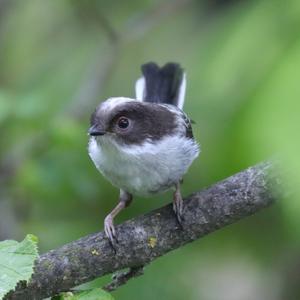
point(109, 228)
point(178, 204)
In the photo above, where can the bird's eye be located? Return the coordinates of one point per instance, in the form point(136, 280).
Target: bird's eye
point(123, 123)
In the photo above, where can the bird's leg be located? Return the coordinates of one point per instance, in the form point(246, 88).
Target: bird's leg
point(178, 204)
point(109, 228)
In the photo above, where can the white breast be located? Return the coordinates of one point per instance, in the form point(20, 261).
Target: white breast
point(143, 169)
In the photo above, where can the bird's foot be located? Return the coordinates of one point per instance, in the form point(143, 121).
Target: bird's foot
point(110, 231)
point(178, 207)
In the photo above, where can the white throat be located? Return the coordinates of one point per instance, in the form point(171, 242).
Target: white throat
point(145, 169)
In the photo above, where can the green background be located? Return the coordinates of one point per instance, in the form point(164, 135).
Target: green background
point(60, 58)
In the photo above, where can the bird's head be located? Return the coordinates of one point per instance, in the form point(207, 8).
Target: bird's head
point(129, 121)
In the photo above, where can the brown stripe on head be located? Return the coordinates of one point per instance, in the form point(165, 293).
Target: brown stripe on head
point(133, 122)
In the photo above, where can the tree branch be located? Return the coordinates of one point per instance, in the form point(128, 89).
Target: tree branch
point(143, 239)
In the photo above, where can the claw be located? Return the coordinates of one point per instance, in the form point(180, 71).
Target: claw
point(178, 206)
point(109, 228)
point(110, 231)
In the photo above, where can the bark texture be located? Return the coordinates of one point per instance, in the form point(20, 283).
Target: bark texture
point(144, 238)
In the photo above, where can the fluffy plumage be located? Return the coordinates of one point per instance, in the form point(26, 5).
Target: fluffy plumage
point(150, 165)
point(144, 146)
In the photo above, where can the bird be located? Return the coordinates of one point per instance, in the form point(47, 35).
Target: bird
point(145, 145)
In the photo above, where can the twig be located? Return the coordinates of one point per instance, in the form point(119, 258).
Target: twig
point(121, 278)
point(143, 239)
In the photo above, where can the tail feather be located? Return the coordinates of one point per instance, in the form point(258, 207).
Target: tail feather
point(162, 85)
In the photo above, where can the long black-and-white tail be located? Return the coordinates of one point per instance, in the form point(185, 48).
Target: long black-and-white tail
point(161, 85)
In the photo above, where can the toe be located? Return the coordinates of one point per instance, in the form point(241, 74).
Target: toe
point(178, 210)
point(110, 231)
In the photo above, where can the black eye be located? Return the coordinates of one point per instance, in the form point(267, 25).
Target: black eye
point(123, 122)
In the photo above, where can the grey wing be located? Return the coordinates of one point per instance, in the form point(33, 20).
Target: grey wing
point(186, 123)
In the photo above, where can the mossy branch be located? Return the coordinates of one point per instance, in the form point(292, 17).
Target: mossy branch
point(143, 239)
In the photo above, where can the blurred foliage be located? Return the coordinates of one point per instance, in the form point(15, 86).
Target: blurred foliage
point(60, 58)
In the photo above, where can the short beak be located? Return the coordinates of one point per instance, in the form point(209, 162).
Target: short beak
point(96, 130)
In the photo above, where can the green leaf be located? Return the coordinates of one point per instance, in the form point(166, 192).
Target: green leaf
point(16, 262)
point(94, 294)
